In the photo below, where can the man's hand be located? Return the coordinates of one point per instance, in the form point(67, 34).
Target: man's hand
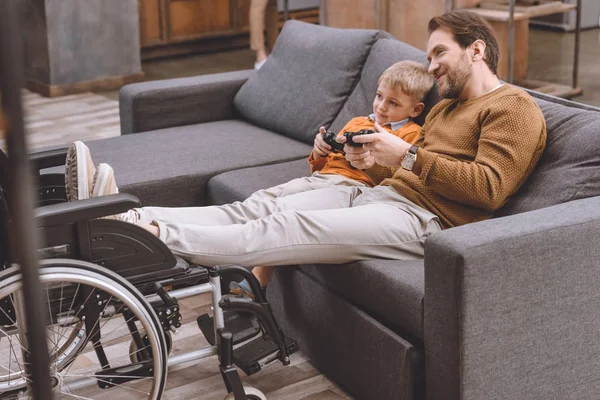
point(380, 147)
point(320, 148)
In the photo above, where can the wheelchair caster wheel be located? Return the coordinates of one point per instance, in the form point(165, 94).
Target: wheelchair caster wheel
point(251, 394)
point(133, 350)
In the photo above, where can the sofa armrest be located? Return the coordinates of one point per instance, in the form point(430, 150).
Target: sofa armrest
point(162, 104)
point(511, 305)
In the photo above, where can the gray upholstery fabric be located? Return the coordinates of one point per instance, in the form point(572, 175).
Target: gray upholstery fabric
point(569, 169)
point(154, 105)
point(371, 284)
point(171, 167)
point(383, 54)
point(321, 63)
point(512, 302)
point(343, 342)
point(237, 185)
point(559, 100)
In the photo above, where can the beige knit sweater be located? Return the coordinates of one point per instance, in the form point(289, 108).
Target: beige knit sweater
point(473, 155)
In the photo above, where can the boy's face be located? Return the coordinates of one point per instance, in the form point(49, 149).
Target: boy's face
point(392, 105)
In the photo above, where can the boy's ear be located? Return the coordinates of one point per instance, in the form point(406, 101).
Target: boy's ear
point(417, 110)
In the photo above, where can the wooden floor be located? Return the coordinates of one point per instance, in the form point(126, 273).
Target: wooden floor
point(59, 121)
point(201, 380)
point(193, 380)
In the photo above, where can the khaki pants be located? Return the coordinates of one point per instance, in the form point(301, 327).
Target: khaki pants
point(257, 24)
point(334, 225)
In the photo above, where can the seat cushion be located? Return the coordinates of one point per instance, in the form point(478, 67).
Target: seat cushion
point(391, 291)
point(383, 54)
point(306, 79)
point(569, 169)
point(171, 167)
point(239, 184)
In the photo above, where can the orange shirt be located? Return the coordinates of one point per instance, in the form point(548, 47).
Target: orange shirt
point(336, 163)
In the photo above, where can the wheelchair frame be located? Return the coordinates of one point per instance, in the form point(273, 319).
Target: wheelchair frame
point(77, 236)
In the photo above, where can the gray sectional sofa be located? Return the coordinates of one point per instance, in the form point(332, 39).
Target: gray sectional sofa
point(501, 309)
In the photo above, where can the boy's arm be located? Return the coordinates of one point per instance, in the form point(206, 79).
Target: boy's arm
point(317, 162)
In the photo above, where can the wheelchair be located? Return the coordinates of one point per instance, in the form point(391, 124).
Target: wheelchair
point(112, 294)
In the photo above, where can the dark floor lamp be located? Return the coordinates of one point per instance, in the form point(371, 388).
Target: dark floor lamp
point(23, 235)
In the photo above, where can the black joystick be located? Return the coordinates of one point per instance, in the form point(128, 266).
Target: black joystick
point(350, 135)
point(329, 138)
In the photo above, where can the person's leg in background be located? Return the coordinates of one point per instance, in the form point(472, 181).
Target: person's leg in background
point(257, 30)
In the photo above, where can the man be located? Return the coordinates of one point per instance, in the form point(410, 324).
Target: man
point(477, 146)
point(475, 150)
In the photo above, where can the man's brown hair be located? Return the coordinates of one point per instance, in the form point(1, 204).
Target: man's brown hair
point(411, 77)
point(467, 27)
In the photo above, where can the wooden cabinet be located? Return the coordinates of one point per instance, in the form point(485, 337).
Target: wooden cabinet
point(405, 19)
point(189, 18)
point(182, 26)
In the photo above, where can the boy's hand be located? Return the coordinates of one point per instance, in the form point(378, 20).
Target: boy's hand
point(320, 148)
point(380, 147)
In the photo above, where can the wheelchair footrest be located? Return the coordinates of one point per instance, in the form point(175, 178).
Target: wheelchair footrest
point(252, 356)
point(241, 324)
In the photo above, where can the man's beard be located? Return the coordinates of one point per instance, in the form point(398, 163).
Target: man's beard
point(456, 81)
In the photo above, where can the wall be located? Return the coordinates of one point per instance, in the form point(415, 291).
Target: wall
point(71, 41)
point(92, 39)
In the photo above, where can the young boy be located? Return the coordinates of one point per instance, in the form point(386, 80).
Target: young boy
point(399, 99)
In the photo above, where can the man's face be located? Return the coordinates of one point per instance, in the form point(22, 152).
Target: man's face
point(392, 105)
point(449, 64)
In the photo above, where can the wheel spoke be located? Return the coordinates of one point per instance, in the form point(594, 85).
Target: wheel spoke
point(74, 290)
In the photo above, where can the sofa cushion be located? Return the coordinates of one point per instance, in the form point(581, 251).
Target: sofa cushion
point(391, 291)
point(306, 79)
point(569, 169)
point(239, 184)
point(383, 54)
point(170, 167)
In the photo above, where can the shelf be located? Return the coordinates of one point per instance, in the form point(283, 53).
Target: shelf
point(548, 8)
point(554, 89)
point(502, 15)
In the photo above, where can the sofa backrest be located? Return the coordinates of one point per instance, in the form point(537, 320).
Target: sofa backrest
point(383, 54)
point(307, 78)
point(569, 168)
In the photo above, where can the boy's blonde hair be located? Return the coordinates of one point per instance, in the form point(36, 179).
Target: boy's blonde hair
point(410, 76)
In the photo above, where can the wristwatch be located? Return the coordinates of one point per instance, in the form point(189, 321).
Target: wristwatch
point(408, 162)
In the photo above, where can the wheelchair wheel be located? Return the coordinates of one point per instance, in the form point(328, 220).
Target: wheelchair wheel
point(91, 316)
point(251, 394)
point(134, 351)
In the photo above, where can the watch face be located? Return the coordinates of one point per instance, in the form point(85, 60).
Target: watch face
point(409, 161)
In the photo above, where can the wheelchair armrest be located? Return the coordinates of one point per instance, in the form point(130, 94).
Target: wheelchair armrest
point(82, 210)
point(48, 158)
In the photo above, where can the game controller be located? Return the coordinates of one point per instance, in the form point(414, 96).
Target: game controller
point(350, 135)
point(329, 138)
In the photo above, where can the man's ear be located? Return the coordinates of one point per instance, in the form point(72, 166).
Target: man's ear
point(417, 110)
point(478, 49)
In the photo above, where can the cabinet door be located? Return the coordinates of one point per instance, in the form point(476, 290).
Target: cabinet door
point(407, 19)
point(351, 13)
point(151, 22)
point(190, 18)
point(241, 13)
